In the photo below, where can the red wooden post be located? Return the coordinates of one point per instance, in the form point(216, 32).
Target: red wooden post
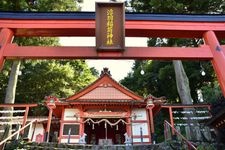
point(171, 120)
point(81, 126)
point(25, 118)
point(129, 121)
point(153, 140)
point(32, 136)
point(81, 121)
point(218, 57)
point(48, 124)
point(50, 102)
point(151, 120)
point(6, 36)
point(128, 126)
point(61, 125)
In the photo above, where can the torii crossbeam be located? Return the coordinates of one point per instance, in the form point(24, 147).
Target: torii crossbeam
point(29, 24)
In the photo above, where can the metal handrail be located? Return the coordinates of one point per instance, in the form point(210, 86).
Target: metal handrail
point(188, 142)
point(6, 139)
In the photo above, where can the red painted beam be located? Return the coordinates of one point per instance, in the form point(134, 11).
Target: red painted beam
point(133, 28)
point(34, 52)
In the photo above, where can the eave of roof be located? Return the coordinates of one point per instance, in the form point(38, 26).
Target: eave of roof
point(107, 102)
point(185, 105)
point(128, 16)
point(82, 92)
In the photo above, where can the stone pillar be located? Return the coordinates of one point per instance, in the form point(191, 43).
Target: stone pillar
point(207, 133)
point(198, 133)
point(188, 132)
point(178, 130)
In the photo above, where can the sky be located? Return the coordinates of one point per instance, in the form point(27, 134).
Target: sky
point(118, 68)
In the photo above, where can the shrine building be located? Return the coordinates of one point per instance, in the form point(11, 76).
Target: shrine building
point(105, 112)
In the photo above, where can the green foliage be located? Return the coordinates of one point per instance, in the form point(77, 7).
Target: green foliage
point(179, 6)
point(37, 41)
point(159, 77)
point(55, 5)
point(45, 77)
point(15, 144)
point(59, 78)
point(211, 92)
point(206, 147)
point(39, 5)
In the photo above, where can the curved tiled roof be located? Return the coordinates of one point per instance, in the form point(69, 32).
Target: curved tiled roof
point(105, 88)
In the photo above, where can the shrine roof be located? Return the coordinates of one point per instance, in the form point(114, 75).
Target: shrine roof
point(105, 89)
point(108, 102)
point(128, 16)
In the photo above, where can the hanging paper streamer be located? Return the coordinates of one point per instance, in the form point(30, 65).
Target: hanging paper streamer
point(117, 127)
point(93, 126)
point(105, 124)
point(104, 120)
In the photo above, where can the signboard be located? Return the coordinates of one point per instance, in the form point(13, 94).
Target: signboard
point(110, 31)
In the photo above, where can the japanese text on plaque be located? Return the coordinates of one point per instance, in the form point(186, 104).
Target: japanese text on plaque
point(109, 41)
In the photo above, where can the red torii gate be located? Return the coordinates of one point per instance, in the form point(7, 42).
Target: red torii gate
point(210, 28)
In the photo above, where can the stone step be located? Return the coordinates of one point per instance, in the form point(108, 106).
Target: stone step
point(21, 145)
point(56, 146)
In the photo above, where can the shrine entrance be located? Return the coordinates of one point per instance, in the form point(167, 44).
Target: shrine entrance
point(105, 131)
point(210, 28)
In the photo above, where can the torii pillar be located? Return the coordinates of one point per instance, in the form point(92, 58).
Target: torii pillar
point(218, 57)
point(6, 37)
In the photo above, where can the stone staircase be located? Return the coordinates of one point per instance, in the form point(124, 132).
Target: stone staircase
point(21, 145)
point(172, 145)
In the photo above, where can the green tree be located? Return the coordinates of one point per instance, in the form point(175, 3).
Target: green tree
point(179, 6)
point(180, 76)
point(76, 73)
point(58, 78)
point(62, 69)
point(165, 72)
point(211, 92)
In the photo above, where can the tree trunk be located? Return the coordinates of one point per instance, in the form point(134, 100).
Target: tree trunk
point(183, 89)
point(182, 83)
point(10, 95)
point(11, 88)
